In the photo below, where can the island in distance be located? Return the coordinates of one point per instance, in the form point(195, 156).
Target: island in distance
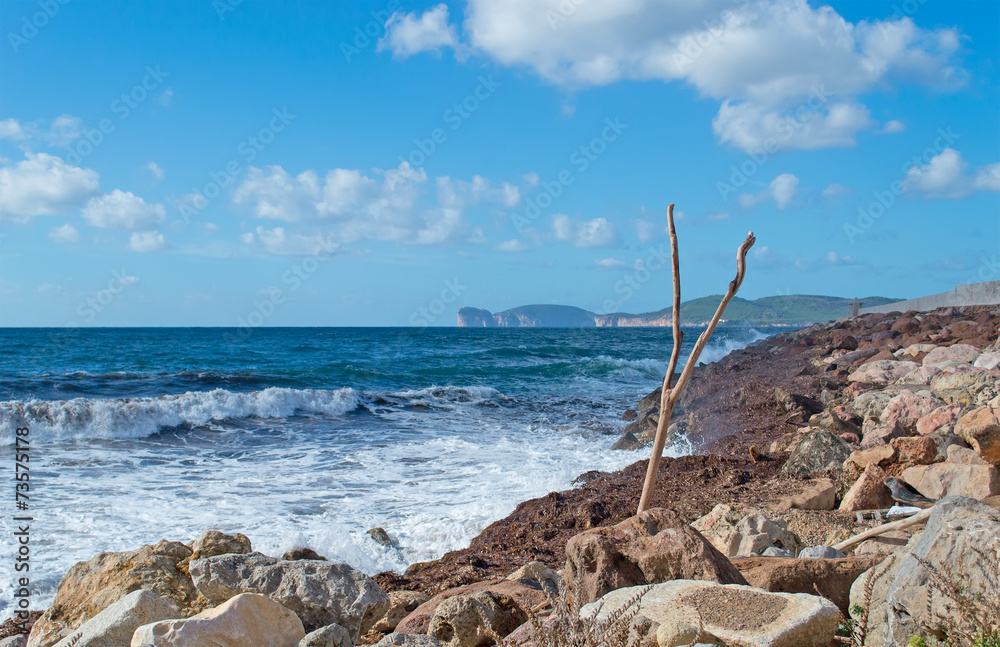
point(783, 310)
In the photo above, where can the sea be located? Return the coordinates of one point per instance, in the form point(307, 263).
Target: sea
point(308, 437)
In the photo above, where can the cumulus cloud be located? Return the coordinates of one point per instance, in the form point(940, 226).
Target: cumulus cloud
point(610, 263)
point(407, 34)
point(61, 131)
point(155, 171)
point(513, 245)
point(123, 210)
point(945, 176)
point(65, 234)
point(892, 127)
point(834, 190)
point(146, 241)
point(279, 241)
point(589, 233)
point(43, 185)
point(11, 129)
point(782, 190)
point(763, 61)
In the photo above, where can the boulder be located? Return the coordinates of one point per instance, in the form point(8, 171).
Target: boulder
point(526, 593)
point(653, 546)
point(958, 353)
point(116, 624)
point(878, 579)
point(915, 450)
point(773, 551)
point(981, 429)
point(870, 404)
point(817, 451)
point(408, 640)
point(471, 621)
point(718, 525)
point(942, 418)
point(815, 494)
point(881, 371)
point(538, 572)
point(971, 388)
point(329, 636)
point(829, 577)
point(906, 408)
point(401, 604)
point(791, 402)
point(880, 434)
point(921, 376)
point(296, 554)
point(881, 456)
point(868, 492)
point(961, 533)
point(247, 620)
point(214, 542)
point(320, 593)
point(755, 533)
point(989, 360)
point(883, 545)
point(820, 552)
point(14, 641)
point(842, 340)
point(947, 479)
point(732, 614)
point(92, 586)
point(964, 456)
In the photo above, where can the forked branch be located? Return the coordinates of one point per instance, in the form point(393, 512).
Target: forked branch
point(669, 395)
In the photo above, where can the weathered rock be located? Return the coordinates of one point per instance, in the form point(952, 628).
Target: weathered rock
point(981, 429)
point(881, 372)
point(949, 479)
point(820, 552)
point(733, 614)
point(905, 409)
point(816, 494)
point(881, 456)
point(868, 492)
point(247, 620)
point(538, 572)
point(942, 418)
point(755, 533)
point(653, 546)
point(214, 542)
point(790, 402)
point(296, 554)
point(989, 360)
point(329, 636)
point(915, 450)
point(842, 340)
point(818, 451)
point(830, 577)
point(957, 528)
point(884, 544)
point(718, 525)
point(14, 641)
point(526, 593)
point(921, 376)
point(957, 353)
point(879, 578)
point(870, 404)
point(467, 621)
point(116, 624)
point(92, 586)
point(964, 456)
point(774, 551)
point(971, 388)
point(320, 593)
point(408, 640)
point(381, 537)
point(401, 604)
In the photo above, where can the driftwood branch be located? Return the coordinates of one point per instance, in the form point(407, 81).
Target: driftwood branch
point(881, 530)
point(669, 395)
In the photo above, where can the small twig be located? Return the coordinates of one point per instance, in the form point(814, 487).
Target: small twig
point(669, 396)
point(881, 530)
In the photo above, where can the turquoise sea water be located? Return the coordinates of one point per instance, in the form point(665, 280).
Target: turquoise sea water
point(311, 436)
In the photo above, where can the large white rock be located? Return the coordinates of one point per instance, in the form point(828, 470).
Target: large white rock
point(247, 620)
point(116, 624)
point(740, 616)
point(883, 371)
point(319, 592)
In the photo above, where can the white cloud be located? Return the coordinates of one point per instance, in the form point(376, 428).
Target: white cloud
point(43, 185)
point(406, 34)
point(892, 127)
point(12, 129)
point(276, 195)
point(279, 241)
point(782, 189)
point(832, 258)
point(123, 210)
point(513, 245)
point(146, 241)
point(63, 131)
point(156, 171)
point(834, 190)
point(945, 177)
point(166, 97)
point(761, 60)
point(49, 288)
point(610, 263)
point(589, 233)
point(988, 178)
point(65, 234)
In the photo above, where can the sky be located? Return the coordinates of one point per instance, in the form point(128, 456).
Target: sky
point(250, 163)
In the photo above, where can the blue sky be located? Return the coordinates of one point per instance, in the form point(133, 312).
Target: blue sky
point(385, 163)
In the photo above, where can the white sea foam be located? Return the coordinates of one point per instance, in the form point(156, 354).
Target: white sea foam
point(719, 347)
point(83, 418)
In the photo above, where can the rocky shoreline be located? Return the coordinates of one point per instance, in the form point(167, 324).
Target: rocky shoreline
point(804, 440)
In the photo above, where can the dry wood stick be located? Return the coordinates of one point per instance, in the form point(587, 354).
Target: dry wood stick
point(880, 530)
point(669, 396)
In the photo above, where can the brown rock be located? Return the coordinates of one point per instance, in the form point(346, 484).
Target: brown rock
point(883, 456)
point(868, 492)
point(964, 456)
point(472, 621)
point(90, 587)
point(816, 494)
point(842, 340)
point(915, 450)
point(214, 542)
point(831, 578)
point(906, 409)
point(418, 622)
point(653, 546)
point(401, 604)
point(945, 479)
point(941, 417)
point(981, 429)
